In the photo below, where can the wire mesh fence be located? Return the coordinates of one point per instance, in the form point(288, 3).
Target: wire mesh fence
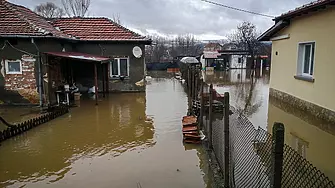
point(255, 158)
point(251, 155)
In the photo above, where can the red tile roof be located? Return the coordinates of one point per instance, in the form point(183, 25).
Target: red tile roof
point(18, 20)
point(95, 29)
point(305, 9)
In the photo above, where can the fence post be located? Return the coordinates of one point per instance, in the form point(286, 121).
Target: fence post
point(226, 139)
point(189, 89)
point(192, 83)
point(201, 122)
point(210, 111)
point(195, 84)
point(277, 153)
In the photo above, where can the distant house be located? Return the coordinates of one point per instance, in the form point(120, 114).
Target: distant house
point(236, 58)
point(68, 50)
point(302, 67)
point(212, 47)
point(223, 57)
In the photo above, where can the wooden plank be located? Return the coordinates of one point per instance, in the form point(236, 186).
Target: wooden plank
point(194, 128)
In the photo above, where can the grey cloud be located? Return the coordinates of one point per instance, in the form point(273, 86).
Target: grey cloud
point(185, 16)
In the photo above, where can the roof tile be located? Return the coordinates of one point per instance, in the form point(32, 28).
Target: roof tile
point(95, 29)
point(19, 20)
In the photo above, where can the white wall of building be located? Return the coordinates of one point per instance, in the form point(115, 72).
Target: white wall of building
point(238, 62)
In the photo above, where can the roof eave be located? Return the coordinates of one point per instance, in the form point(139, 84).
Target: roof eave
point(305, 10)
point(266, 36)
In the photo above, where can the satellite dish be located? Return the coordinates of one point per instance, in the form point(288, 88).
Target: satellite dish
point(137, 51)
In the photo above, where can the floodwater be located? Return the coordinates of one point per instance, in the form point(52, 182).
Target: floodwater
point(312, 138)
point(129, 140)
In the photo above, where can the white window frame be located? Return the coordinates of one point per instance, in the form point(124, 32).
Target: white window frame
point(7, 67)
point(301, 56)
point(119, 67)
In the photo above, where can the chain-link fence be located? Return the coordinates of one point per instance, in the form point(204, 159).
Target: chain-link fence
point(248, 156)
point(253, 159)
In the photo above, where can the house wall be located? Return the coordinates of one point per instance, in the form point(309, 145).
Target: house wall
point(18, 89)
point(234, 64)
point(309, 131)
point(318, 27)
point(136, 65)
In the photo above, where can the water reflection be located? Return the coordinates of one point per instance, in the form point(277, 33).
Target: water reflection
point(47, 153)
point(129, 139)
point(312, 138)
point(249, 90)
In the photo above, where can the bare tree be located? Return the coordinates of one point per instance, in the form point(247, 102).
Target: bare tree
point(164, 49)
point(245, 38)
point(76, 8)
point(117, 19)
point(49, 10)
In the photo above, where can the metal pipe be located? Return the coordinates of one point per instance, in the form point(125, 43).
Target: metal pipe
point(40, 77)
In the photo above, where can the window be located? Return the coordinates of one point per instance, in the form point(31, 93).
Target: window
point(119, 67)
point(13, 67)
point(299, 145)
point(306, 59)
point(240, 60)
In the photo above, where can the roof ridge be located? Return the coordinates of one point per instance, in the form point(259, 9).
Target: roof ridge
point(13, 7)
point(122, 27)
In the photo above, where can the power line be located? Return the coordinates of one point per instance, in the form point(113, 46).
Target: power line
point(237, 9)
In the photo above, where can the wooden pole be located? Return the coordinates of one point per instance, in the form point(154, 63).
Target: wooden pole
point(49, 80)
point(226, 139)
point(96, 83)
point(201, 104)
point(189, 89)
point(210, 132)
point(103, 80)
point(107, 77)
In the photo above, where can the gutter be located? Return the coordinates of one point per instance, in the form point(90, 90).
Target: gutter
point(146, 41)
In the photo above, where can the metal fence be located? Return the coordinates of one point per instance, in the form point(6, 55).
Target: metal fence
point(248, 156)
point(252, 159)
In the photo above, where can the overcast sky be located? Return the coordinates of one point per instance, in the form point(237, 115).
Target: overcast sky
point(177, 17)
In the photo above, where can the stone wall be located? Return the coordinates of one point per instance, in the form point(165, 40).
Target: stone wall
point(315, 110)
point(25, 83)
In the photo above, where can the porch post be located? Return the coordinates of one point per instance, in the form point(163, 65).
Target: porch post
point(103, 80)
point(49, 79)
point(107, 76)
point(96, 83)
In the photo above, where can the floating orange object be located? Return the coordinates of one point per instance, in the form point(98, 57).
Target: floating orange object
point(191, 132)
point(193, 128)
point(189, 120)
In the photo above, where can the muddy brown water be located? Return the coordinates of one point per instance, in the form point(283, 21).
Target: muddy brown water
point(310, 137)
point(129, 140)
point(135, 139)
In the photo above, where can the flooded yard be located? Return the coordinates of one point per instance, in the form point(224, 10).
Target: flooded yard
point(129, 140)
point(135, 140)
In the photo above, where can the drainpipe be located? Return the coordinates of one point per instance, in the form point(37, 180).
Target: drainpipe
point(40, 78)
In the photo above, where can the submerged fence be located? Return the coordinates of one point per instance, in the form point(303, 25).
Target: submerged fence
point(17, 129)
point(250, 156)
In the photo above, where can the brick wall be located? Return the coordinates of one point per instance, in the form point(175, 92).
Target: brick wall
point(25, 83)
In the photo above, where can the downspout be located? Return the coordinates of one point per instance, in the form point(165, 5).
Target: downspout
point(39, 62)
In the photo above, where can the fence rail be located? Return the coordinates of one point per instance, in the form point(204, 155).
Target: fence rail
point(249, 156)
point(19, 128)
